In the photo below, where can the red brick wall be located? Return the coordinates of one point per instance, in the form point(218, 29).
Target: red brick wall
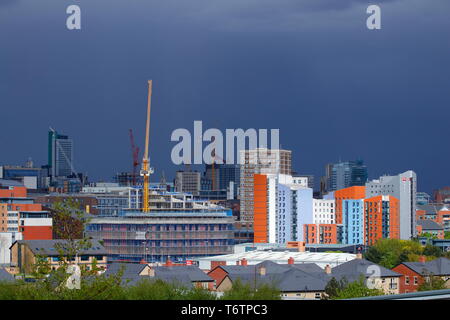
point(407, 272)
point(218, 274)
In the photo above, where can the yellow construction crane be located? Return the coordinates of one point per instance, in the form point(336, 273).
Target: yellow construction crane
point(146, 169)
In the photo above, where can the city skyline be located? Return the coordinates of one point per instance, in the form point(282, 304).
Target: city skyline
point(335, 89)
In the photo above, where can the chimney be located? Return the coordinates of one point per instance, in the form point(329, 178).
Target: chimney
point(169, 263)
point(328, 269)
point(359, 256)
point(422, 259)
point(291, 260)
point(244, 262)
point(262, 271)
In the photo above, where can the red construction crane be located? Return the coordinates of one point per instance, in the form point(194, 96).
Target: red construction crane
point(135, 154)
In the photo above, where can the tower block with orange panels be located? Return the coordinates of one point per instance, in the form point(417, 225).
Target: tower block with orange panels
point(260, 223)
point(381, 219)
point(351, 193)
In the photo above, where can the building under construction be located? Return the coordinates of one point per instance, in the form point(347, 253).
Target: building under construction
point(160, 225)
point(178, 228)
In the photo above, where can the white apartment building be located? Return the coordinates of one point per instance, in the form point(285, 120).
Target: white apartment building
point(324, 211)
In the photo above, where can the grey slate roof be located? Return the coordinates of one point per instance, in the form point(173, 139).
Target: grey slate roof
point(183, 275)
point(353, 269)
point(431, 209)
point(429, 225)
point(5, 275)
point(437, 267)
point(287, 278)
point(47, 247)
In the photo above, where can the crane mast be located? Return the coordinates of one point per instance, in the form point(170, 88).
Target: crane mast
point(146, 169)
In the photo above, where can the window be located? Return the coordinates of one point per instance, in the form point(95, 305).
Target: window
point(416, 281)
point(407, 280)
point(318, 295)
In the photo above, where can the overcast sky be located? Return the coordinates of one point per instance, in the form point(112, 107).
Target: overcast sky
point(311, 68)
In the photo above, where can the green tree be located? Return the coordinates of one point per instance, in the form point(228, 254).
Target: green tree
point(357, 289)
point(432, 251)
point(334, 287)
point(241, 291)
point(431, 282)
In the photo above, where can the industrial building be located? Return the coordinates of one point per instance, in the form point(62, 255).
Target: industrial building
point(282, 257)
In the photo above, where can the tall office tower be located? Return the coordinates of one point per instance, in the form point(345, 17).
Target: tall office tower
point(60, 154)
point(282, 205)
point(188, 181)
point(345, 174)
point(381, 219)
point(259, 161)
point(403, 187)
point(227, 176)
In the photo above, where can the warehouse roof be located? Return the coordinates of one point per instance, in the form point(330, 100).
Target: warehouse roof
point(257, 256)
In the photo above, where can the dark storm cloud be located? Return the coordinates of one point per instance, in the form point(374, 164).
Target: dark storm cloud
point(4, 3)
point(309, 67)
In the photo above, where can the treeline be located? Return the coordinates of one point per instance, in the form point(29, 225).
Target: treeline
point(112, 288)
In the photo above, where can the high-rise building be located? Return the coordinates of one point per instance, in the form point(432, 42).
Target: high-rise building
point(345, 174)
point(259, 161)
point(354, 193)
point(226, 176)
point(60, 154)
point(188, 181)
point(352, 226)
point(403, 187)
point(281, 207)
point(381, 219)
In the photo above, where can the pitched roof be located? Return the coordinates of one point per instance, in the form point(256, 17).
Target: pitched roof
point(429, 225)
point(353, 269)
point(290, 280)
point(47, 247)
point(5, 275)
point(184, 275)
point(438, 267)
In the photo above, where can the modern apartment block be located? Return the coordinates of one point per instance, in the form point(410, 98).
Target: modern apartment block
point(176, 228)
point(188, 181)
point(259, 161)
point(324, 211)
point(381, 219)
point(403, 187)
point(351, 193)
point(21, 218)
point(352, 227)
point(345, 174)
point(320, 233)
point(282, 205)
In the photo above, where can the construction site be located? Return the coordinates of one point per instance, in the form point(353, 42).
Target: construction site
point(160, 225)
